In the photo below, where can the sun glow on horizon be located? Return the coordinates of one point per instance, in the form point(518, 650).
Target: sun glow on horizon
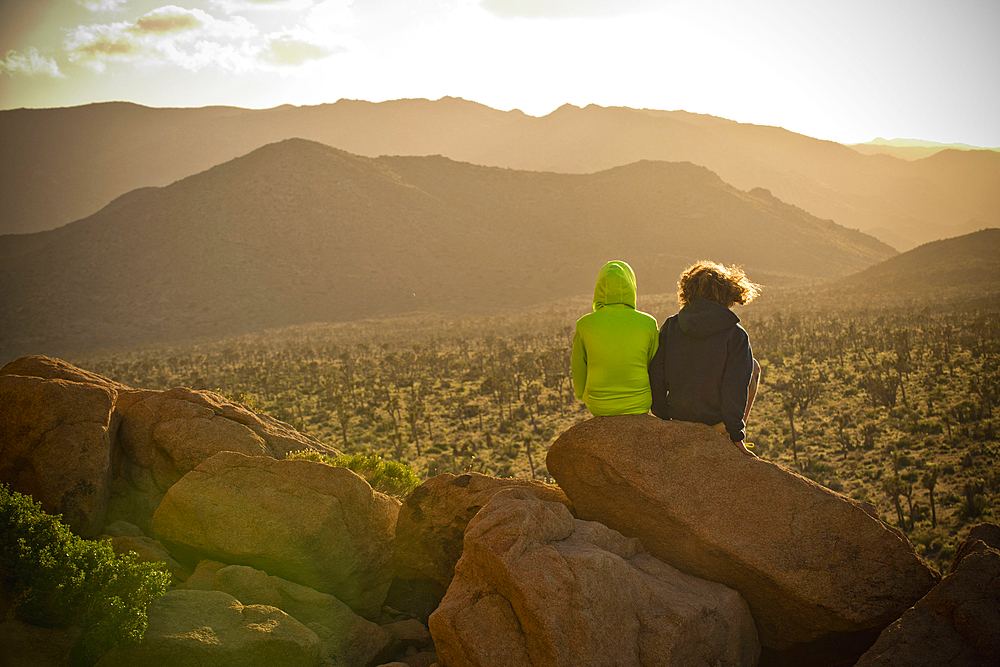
point(847, 73)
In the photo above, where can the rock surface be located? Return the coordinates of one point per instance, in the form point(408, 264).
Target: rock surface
point(167, 434)
point(56, 446)
point(956, 624)
point(148, 550)
point(347, 639)
point(190, 628)
point(98, 451)
point(307, 522)
point(812, 564)
point(536, 587)
point(431, 527)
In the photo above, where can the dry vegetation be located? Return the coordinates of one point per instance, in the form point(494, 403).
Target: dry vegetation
point(893, 406)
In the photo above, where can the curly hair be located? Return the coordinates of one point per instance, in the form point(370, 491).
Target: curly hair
point(725, 285)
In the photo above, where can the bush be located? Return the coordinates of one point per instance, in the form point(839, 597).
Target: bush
point(392, 478)
point(55, 578)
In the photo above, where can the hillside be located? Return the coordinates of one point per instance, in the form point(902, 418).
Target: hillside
point(968, 264)
point(299, 232)
point(63, 164)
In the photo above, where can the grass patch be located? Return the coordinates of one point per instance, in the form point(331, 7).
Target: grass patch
point(392, 478)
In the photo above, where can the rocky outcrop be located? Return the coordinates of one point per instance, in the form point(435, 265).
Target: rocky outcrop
point(56, 443)
point(346, 639)
point(537, 587)
point(213, 629)
point(431, 527)
point(812, 564)
point(98, 451)
point(958, 622)
point(314, 524)
point(167, 434)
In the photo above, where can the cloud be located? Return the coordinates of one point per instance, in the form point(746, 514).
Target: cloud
point(189, 38)
point(559, 9)
point(166, 20)
point(286, 50)
point(30, 63)
point(102, 5)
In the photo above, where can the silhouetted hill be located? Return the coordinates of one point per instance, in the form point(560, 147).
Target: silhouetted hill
point(63, 164)
point(299, 232)
point(968, 264)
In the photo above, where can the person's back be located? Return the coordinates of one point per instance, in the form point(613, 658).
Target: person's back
point(704, 370)
point(612, 347)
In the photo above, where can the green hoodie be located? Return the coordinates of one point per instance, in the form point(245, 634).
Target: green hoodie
point(612, 347)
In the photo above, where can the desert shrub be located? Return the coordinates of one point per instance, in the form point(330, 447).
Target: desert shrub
point(392, 478)
point(54, 578)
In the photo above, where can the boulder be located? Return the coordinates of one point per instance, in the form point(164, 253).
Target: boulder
point(211, 628)
point(314, 524)
point(956, 624)
point(167, 434)
point(247, 585)
point(56, 446)
point(203, 577)
point(148, 550)
point(430, 529)
point(111, 451)
point(988, 533)
point(536, 587)
point(813, 565)
point(346, 638)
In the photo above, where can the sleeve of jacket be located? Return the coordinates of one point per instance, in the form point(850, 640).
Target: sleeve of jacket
point(658, 379)
point(578, 365)
point(735, 381)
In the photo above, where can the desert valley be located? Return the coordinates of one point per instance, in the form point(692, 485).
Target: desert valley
point(201, 308)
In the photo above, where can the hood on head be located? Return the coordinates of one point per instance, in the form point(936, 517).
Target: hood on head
point(615, 284)
point(702, 318)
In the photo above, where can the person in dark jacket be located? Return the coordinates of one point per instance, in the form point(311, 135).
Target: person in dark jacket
point(703, 369)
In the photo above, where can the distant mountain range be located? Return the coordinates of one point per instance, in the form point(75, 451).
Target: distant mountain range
point(60, 165)
point(299, 232)
point(911, 149)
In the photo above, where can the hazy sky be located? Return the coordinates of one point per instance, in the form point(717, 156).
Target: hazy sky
point(847, 70)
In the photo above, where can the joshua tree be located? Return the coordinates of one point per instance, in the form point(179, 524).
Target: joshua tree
point(892, 486)
point(929, 481)
point(797, 394)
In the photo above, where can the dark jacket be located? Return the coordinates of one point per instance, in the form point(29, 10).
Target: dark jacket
point(702, 367)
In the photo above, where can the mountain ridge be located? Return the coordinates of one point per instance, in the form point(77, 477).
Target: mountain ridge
point(297, 232)
point(63, 164)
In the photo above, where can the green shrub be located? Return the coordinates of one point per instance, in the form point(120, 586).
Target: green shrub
point(392, 478)
point(55, 578)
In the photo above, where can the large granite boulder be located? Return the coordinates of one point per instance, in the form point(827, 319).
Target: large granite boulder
point(431, 528)
point(815, 567)
point(314, 524)
point(958, 622)
point(167, 434)
point(56, 446)
point(191, 628)
point(535, 587)
point(98, 451)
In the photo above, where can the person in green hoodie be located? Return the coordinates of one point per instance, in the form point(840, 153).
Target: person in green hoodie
point(613, 346)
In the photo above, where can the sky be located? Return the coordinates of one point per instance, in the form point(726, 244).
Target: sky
point(844, 70)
